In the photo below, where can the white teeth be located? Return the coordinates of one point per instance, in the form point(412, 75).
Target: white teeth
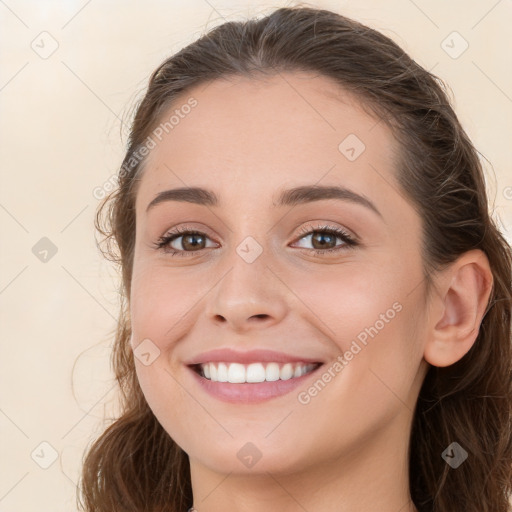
point(213, 371)
point(222, 372)
point(236, 373)
point(286, 372)
point(272, 372)
point(255, 372)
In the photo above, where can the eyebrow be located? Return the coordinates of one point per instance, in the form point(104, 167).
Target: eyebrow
point(291, 197)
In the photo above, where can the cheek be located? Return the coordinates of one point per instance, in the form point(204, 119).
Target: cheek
point(346, 303)
point(351, 302)
point(372, 320)
point(374, 323)
point(162, 303)
point(170, 402)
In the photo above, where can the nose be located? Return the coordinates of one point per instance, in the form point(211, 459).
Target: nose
point(250, 296)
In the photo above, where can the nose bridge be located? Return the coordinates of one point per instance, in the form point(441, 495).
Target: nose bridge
point(249, 292)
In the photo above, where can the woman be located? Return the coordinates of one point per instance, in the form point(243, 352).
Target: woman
point(317, 302)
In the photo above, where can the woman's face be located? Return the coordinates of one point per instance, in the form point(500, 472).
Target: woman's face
point(266, 290)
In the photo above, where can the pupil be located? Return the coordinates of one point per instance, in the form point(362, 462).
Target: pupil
point(322, 237)
point(193, 244)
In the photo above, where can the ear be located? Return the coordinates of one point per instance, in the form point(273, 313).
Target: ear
point(457, 308)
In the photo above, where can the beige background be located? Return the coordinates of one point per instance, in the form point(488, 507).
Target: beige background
point(60, 139)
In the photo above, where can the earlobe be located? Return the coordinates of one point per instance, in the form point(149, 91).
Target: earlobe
point(460, 304)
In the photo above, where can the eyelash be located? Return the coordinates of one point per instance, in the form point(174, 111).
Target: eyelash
point(349, 241)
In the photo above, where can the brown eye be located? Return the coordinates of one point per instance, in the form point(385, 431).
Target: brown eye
point(193, 242)
point(323, 239)
point(183, 241)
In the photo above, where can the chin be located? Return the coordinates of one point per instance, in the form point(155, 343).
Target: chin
point(246, 457)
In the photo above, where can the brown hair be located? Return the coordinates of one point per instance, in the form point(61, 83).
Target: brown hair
point(135, 465)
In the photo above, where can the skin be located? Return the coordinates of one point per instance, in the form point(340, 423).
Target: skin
point(346, 449)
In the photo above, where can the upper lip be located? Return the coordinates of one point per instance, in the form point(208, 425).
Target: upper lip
point(248, 356)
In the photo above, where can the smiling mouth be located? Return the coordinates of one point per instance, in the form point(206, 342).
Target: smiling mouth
point(237, 373)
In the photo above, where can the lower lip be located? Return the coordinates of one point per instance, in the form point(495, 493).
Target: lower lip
point(250, 392)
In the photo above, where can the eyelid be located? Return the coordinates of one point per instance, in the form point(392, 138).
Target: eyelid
point(326, 226)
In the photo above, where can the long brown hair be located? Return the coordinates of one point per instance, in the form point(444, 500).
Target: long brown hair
point(134, 465)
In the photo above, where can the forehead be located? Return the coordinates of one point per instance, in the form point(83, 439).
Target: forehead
point(251, 137)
